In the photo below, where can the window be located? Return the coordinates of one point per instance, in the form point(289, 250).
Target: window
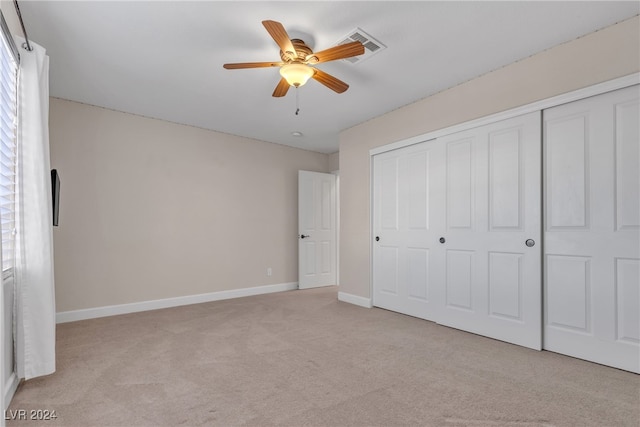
point(9, 60)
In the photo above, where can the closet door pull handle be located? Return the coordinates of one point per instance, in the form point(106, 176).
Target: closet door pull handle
point(530, 242)
point(377, 238)
point(442, 240)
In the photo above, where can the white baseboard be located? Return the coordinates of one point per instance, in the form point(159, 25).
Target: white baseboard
point(114, 310)
point(10, 389)
point(355, 299)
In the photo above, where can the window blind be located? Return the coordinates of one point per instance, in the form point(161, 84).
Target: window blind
point(8, 147)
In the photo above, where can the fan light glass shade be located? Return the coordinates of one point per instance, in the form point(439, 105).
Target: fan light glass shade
point(296, 74)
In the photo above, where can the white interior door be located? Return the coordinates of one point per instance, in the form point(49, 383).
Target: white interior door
point(592, 229)
point(491, 234)
point(316, 229)
point(406, 209)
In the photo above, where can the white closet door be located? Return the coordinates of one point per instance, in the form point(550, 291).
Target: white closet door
point(592, 229)
point(405, 182)
point(492, 279)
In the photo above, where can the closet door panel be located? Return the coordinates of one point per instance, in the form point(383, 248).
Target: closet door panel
point(404, 206)
point(387, 270)
point(506, 281)
point(592, 238)
point(627, 173)
point(492, 279)
point(568, 173)
point(627, 296)
point(460, 194)
point(418, 274)
point(459, 285)
point(569, 280)
point(387, 193)
point(505, 181)
point(417, 181)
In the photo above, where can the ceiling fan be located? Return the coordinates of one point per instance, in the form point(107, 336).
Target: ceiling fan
point(297, 60)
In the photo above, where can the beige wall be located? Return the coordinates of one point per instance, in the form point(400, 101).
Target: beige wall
point(151, 209)
point(334, 161)
point(600, 56)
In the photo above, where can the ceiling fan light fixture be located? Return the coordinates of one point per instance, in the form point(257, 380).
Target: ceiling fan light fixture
point(296, 67)
point(296, 74)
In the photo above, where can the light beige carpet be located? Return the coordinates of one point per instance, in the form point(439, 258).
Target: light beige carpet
point(302, 358)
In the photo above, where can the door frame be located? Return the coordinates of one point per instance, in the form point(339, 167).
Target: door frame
point(337, 208)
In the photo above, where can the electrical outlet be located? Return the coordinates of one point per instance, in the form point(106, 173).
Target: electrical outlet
point(269, 272)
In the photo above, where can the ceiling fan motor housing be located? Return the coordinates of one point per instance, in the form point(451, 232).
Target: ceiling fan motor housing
point(302, 52)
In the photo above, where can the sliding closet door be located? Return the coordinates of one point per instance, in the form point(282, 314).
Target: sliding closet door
point(492, 229)
point(406, 205)
point(452, 218)
point(592, 229)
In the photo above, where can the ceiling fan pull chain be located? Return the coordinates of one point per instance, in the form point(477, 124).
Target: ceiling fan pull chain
point(297, 102)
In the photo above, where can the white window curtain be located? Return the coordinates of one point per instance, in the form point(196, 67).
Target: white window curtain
point(35, 323)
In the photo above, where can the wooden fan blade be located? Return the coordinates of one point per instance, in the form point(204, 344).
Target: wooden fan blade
point(329, 81)
point(279, 34)
point(252, 65)
point(341, 51)
point(281, 88)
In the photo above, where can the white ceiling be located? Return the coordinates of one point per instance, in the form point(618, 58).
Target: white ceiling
point(163, 59)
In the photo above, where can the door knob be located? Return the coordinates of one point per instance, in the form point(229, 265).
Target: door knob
point(377, 238)
point(303, 236)
point(530, 242)
point(442, 240)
